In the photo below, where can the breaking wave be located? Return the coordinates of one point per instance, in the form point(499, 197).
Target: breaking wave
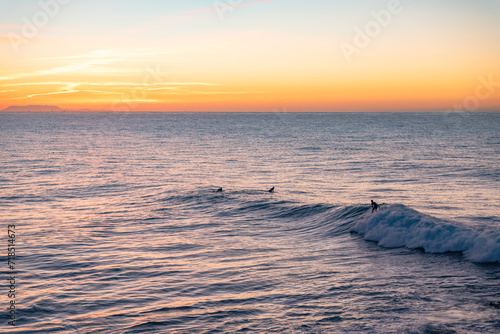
point(399, 226)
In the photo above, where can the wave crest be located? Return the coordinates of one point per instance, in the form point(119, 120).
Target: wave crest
point(399, 226)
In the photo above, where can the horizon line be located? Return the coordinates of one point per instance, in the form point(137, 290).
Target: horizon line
point(250, 111)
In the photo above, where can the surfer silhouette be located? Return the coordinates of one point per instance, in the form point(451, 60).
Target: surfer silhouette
point(219, 190)
point(271, 190)
point(375, 206)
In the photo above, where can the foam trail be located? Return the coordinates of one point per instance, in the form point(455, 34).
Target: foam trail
point(399, 226)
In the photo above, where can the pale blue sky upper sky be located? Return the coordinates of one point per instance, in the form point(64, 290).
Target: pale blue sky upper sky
point(284, 15)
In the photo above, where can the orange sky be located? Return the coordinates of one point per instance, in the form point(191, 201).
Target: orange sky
point(263, 56)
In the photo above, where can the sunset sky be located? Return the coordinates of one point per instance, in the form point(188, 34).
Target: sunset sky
point(247, 55)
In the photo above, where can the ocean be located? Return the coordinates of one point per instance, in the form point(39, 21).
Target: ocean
point(118, 226)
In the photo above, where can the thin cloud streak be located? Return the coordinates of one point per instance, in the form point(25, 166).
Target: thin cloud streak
point(87, 62)
point(110, 53)
point(220, 93)
point(43, 94)
point(61, 69)
point(60, 83)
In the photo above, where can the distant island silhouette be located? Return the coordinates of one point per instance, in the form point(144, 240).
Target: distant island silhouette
point(33, 108)
point(41, 108)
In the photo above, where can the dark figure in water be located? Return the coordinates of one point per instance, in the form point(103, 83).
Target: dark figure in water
point(271, 190)
point(495, 305)
point(375, 206)
point(219, 190)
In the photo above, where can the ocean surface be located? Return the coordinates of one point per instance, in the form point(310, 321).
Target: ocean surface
point(119, 228)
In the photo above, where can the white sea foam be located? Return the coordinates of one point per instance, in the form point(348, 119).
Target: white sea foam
point(399, 226)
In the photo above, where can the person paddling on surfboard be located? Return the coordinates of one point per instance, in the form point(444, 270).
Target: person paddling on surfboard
point(375, 206)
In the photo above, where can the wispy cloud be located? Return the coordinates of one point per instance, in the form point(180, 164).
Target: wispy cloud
point(118, 84)
point(225, 7)
point(80, 66)
point(220, 92)
point(111, 53)
point(100, 92)
point(112, 88)
point(91, 61)
point(43, 94)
